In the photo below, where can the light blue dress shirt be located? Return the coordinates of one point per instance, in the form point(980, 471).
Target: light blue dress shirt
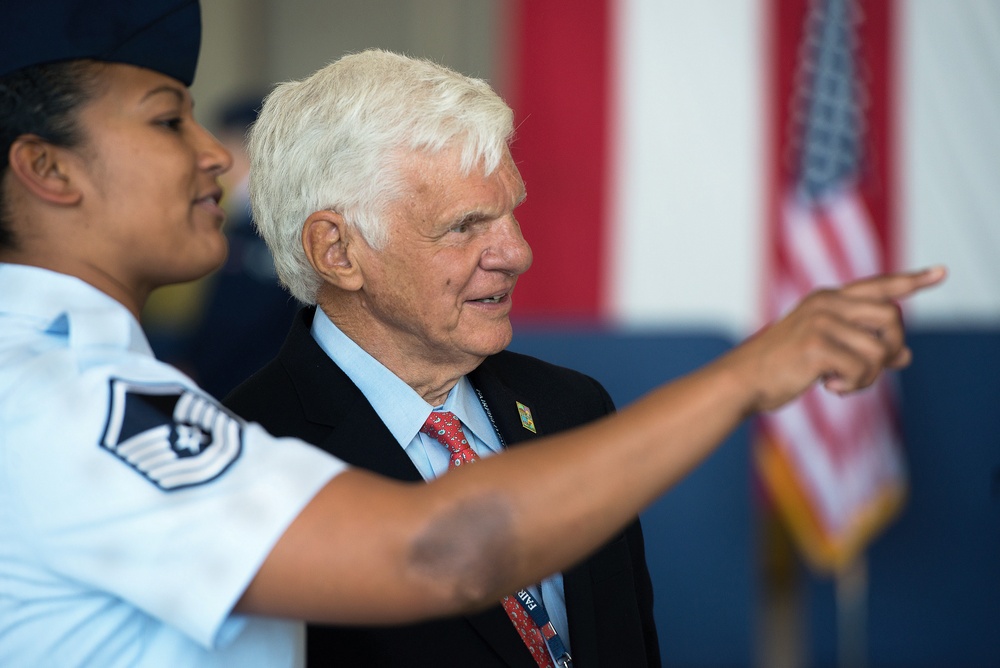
point(403, 411)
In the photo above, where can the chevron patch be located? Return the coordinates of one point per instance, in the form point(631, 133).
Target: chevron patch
point(171, 435)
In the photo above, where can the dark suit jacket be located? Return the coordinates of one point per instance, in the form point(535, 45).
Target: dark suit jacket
point(609, 598)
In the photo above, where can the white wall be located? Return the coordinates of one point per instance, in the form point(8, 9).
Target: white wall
point(950, 155)
point(688, 199)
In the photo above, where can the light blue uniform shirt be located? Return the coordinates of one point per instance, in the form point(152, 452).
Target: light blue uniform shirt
point(126, 534)
point(403, 411)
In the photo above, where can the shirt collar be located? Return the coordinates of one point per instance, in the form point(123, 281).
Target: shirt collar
point(65, 305)
point(397, 404)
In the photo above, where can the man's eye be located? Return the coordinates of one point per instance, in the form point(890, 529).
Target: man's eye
point(172, 123)
point(461, 227)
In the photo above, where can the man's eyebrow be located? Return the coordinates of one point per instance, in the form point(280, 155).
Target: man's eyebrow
point(473, 215)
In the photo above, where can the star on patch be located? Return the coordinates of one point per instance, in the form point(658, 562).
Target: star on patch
point(171, 435)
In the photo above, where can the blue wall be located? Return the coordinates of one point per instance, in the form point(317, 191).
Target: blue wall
point(934, 592)
point(934, 575)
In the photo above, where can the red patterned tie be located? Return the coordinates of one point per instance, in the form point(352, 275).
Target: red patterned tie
point(447, 429)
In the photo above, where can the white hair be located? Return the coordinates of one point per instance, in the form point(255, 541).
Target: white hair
point(336, 141)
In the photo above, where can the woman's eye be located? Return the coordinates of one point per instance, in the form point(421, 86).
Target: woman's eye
point(172, 123)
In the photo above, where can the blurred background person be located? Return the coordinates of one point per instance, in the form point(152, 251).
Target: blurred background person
point(245, 313)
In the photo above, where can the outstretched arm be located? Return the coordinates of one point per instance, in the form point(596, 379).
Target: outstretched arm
point(367, 550)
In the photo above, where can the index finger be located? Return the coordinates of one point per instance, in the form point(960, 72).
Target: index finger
point(896, 286)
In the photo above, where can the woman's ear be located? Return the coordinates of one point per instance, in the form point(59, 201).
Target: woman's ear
point(327, 240)
point(40, 167)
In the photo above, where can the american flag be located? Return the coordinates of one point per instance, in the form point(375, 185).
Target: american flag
point(833, 464)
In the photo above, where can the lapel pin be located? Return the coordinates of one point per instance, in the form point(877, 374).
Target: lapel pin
point(526, 420)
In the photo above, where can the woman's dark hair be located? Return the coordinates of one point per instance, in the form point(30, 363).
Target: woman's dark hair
point(42, 100)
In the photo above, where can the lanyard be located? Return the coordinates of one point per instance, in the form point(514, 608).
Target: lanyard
point(544, 624)
point(524, 598)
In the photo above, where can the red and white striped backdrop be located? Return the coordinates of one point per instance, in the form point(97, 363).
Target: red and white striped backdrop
point(645, 141)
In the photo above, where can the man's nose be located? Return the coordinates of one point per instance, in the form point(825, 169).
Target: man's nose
point(507, 250)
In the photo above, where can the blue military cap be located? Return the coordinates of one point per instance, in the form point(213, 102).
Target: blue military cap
point(161, 35)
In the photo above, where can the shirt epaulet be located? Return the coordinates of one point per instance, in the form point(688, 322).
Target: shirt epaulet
point(100, 327)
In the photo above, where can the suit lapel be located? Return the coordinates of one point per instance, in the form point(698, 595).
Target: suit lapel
point(363, 440)
point(502, 401)
point(329, 397)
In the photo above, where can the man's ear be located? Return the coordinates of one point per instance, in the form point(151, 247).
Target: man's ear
point(327, 240)
point(40, 167)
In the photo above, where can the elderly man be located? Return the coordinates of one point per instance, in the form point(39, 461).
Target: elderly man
point(399, 225)
point(385, 190)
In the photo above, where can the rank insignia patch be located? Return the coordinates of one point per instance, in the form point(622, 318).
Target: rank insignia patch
point(174, 437)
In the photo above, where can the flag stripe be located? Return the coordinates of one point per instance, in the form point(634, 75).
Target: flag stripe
point(560, 96)
point(842, 452)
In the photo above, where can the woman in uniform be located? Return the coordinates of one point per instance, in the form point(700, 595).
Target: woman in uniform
point(135, 510)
